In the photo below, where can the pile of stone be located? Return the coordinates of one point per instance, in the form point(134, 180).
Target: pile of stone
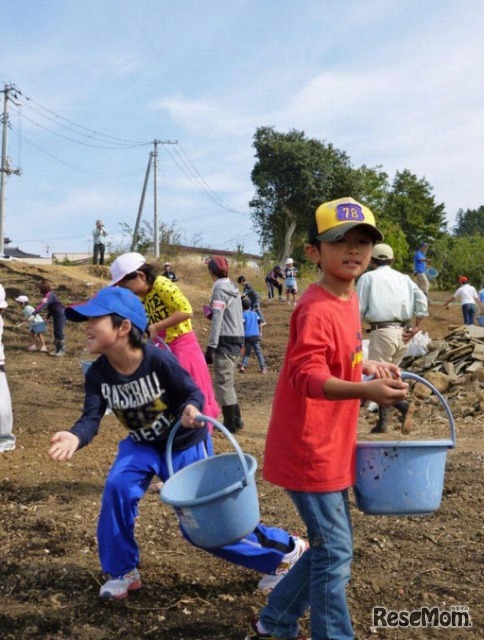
point(455, 366)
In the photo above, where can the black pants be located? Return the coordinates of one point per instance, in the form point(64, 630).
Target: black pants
point(98, 253)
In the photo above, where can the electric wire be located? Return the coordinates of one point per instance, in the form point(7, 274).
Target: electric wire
point(80, 170)
point(92, 132)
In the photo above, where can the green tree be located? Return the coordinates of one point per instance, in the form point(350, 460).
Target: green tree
point(411, 205)
point(470, 222)
point(294, 174)
point(455, 256)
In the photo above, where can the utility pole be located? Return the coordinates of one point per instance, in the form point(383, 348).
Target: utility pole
point(5, 169)
point(156, 231)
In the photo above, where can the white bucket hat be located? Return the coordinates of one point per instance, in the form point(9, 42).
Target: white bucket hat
point(22, 299)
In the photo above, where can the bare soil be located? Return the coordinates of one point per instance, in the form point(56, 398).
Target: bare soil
point(49, 570)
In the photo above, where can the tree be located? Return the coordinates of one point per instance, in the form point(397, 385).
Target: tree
point(470, 223)
point(411, 206)
point(294, 174)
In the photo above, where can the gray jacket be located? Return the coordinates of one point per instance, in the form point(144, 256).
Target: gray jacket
point(227, 332)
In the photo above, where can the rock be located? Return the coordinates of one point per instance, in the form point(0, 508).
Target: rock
point(479, 374)
point(441, 381)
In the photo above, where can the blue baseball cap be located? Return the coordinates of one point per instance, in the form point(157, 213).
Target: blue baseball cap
point(117, 300)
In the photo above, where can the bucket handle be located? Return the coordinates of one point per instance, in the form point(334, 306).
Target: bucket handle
point(408, 375)
point(169, 444)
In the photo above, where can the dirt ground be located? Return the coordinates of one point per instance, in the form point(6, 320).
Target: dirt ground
point(49, 570)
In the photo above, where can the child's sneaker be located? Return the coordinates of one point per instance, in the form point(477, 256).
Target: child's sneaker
point(269, 580)
point(255, 634)
point(118, 588)
point(43, 349)
point(263, 371)
point(241, 369)
point(32, 347)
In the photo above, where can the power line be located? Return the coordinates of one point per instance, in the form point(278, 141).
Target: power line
point(86, 144)
point(92, 132)
point(78, 169)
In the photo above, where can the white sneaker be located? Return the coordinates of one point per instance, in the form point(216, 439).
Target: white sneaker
point(7, 446)
point(118, 588)
point(269, 580)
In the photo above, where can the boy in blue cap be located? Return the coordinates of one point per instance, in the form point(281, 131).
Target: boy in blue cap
point(148, 391)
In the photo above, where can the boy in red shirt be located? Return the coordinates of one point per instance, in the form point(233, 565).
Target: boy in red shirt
point(311, 451)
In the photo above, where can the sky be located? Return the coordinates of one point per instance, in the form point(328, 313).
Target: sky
point(393, 83)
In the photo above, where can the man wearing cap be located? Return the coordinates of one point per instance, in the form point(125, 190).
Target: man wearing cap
point(420, 261)
point(389, 300)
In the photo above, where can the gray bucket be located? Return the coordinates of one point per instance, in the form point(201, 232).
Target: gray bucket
point(403, 478)
point(215, 499)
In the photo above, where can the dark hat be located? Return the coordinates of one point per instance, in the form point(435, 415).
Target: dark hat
point(219, 266)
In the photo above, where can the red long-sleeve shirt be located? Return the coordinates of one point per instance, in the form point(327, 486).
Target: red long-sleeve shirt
point(311, 440)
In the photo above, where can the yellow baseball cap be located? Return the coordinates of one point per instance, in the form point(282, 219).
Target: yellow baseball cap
point(333, 219)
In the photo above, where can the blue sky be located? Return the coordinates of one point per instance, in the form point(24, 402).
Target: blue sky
point(397, 83)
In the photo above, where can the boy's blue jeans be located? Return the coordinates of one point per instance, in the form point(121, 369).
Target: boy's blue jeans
point(319, 578)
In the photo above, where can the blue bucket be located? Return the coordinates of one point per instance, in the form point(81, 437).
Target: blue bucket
point(215, 499)
point(403, 478)
point(432, 273)
point(480, 321)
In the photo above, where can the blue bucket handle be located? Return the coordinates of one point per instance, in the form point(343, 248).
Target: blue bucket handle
point(408, 375)
point(201, 418)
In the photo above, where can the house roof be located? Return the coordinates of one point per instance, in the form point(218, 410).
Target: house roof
point(15, 252)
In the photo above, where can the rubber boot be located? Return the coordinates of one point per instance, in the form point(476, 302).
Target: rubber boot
point(382, 424)
point(229, 417)
point(407, 409)
point(239, 423)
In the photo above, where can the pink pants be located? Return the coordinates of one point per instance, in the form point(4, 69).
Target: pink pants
point(189, 354)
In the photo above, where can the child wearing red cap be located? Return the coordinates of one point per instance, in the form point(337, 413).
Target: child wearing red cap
point(468, 297)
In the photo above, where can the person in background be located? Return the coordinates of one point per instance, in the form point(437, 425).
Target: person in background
point(389, 300)
point(36, 324)
point(252, 336)
point(468, 297)
point(251, 294)
point(311, 441)
point(420, 262)
point(99, 234)
point(225, 341)
point(168, 273)
point(290, 281)
point(272, 282)
point(56, 311)
point(148, 391)
point(169, 313)
point(7, 439)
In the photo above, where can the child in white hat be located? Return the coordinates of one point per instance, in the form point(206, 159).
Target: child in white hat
point(36, 324)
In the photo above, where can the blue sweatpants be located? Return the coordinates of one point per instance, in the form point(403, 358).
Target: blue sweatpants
point(128, 480)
